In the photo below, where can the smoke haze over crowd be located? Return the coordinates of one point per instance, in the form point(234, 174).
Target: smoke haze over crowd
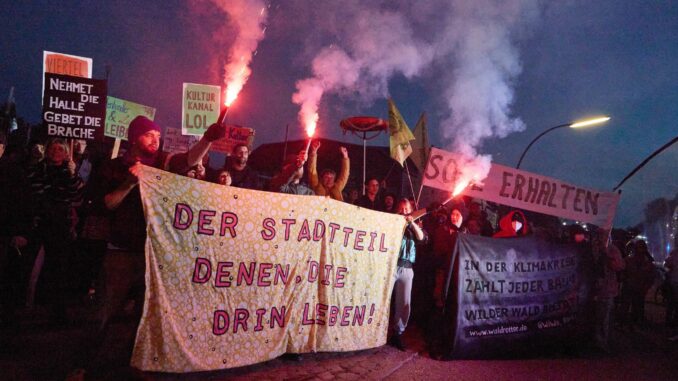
point(491, 75)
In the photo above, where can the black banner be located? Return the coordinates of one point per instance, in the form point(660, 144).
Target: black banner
point(516, 295)
point(74, 107)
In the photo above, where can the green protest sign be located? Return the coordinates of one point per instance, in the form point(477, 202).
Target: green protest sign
point(200, 108)
point(119, 113)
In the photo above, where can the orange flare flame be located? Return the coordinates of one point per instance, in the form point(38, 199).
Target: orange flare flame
point(231, 95)
point(460, 187)
point(311, 121)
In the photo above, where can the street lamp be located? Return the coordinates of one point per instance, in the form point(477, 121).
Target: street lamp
point(578, 124)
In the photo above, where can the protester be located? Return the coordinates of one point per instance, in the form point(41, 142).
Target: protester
point(36, 153)
point(424, 270)
point(242, 175)
point(444, 240)
point(124, 263)
point(371, 199)
point(330, 184)
point(638, 278)
point(78, 156)
point(55, 187)
point(473, 227)
point(93, 227)
point(3, 144)
point(513, 224)
point(402, 280)
point(288, 180)
point(15, 228)
point(577, 234)
point(353, 195)
point(480, 217)
point(671, 266)
point(197, 172)
point(389, 203)
point(223, 177)
point(607, 263)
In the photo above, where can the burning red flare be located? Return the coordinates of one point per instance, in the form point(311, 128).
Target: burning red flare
point(457, 190)
point(231, 94)
point(460, 187)
point(310, 122)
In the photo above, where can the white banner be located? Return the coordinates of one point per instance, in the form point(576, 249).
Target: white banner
point(525, 190)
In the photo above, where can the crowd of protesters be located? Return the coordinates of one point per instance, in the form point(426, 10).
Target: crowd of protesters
point(72, 229)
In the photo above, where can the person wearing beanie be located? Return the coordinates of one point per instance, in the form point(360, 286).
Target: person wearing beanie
point(124, 262)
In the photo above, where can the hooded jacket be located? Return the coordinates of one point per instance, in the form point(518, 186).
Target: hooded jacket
point(506, 228)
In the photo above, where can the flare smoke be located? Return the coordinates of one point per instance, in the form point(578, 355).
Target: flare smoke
point(248, 18)
point(373, 45)
point(467, 46)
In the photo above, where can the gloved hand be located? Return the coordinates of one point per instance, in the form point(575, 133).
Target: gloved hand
point(215, 132)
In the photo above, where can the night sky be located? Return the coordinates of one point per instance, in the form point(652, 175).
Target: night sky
point(558, 62)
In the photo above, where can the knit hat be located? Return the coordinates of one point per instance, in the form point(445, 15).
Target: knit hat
point(139, 126)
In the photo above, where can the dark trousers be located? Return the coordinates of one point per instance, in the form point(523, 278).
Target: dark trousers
point(123, 272)
point(671, 297)
point(633, 306)
point(56, 278)
point(122, 276)
point(8, 281)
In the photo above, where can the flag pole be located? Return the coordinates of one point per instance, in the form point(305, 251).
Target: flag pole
point(117, 141)
point(389, 172)
point(364, 158)
point(642, 164)
point(409, 177)
point(421, 186)
point(287, 131)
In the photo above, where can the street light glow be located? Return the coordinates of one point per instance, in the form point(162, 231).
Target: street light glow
point(589, 122)
point(580, 124)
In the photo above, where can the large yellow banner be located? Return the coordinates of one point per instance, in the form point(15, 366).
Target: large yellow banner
point(235, 276)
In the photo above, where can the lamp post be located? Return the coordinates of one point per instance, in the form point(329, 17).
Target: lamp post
point(642, 164)
point(579, 124)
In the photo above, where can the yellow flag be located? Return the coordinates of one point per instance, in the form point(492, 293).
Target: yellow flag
point(400, 134)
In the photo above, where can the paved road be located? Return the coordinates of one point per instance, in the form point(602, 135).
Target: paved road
point(34, 351)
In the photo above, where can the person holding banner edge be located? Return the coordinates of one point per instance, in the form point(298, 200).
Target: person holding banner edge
point(124, 263)
point(402, 280)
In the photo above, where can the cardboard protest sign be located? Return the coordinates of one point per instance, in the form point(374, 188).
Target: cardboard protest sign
point(200, 108)
point(525, 190)
point(119, 113)
point(67, 64)
point(517, 294)
point(74, 107)
point(234, 135)
point(175, 142)
point(236, 276)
